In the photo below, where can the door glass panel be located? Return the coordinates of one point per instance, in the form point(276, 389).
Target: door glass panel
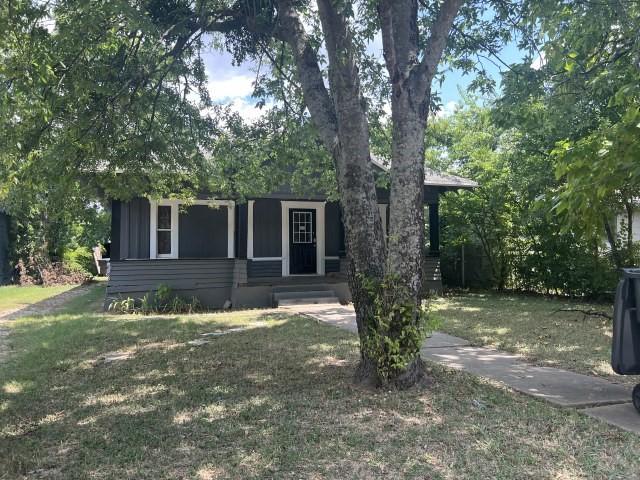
point(302, 227)
point(164, 217)
point(164, 242)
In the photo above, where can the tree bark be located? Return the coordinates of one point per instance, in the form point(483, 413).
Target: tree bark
point(342, 122)
point(411, 88)
point(617, 259)
point(629, 208)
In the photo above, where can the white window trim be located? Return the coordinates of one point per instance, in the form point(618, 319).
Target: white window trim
point(319, 207)
point(175, 225)
point(153, 229)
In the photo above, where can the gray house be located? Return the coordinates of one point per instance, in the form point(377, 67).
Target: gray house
point(273, 249)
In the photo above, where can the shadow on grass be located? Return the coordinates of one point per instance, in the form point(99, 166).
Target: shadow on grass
point(533, 327)
point(275, 400)
point(44, 307)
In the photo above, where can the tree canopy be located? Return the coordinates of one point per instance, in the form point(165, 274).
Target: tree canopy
point(109, 100)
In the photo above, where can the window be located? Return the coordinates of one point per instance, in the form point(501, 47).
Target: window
point(164, 230)
point(302, 227)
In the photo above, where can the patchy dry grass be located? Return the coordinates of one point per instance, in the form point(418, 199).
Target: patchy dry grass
point(534, 328)
point(13, 297)
point(273, 401)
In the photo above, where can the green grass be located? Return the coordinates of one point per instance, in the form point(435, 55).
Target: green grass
point(273, 401)
point(533, 327)
point(13, 297)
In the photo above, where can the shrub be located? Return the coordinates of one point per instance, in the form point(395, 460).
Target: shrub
point(43, 272)
point(80, 259)
point(163, 300)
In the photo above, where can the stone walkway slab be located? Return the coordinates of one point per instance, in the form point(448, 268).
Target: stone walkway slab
point(444, 340)
point(345, 318)
point(598, 397)
point(560, 387)
point(624, 416)
point(334, 314)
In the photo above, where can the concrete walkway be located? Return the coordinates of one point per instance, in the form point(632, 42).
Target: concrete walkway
point(43, 307)
point(594, 396)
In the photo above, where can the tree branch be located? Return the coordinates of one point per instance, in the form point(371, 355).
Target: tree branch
point(317, 98)
point(437, 40)
point(586, 313)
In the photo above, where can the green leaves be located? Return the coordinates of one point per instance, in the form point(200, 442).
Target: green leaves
point(397, 328)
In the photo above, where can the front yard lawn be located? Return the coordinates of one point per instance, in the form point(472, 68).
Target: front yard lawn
point(89, 395)
point(533, 327)
point(13, 297)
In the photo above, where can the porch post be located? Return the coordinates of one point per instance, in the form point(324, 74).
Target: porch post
point(434, 229)
point(250, 228)
point(231, 229)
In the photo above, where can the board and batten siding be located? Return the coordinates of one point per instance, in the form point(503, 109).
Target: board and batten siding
point(130, 229)
point(241, 230)
point(334, 231)
point(267, 228)
point(202, 232)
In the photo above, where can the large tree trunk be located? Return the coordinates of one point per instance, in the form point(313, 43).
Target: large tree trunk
point(411, 88)
point(343, 126)
point(348, 142)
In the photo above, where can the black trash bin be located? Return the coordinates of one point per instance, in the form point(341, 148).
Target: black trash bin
point(625, 351)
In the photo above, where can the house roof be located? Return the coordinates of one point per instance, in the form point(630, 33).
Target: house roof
point(432, 177)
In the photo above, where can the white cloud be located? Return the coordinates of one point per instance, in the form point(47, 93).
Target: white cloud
point(235, 91)
point(247, 108)
point(236, 86)
point(539, 62)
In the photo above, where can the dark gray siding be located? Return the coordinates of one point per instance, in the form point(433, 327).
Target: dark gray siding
point(384, 216)
point(332, 265)
point(382, 195)
point(267, 228)
point(263, 269)
point(334, 232)
point(208, 279)
point(4, 248)
point(130, 229)
point(241, 230)
point(203, 232)
point(431, 194)
point(115, 230)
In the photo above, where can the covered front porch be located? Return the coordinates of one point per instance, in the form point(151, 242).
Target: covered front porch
point(239, 254)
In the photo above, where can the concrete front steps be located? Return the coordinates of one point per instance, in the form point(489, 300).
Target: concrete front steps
point(287, 295)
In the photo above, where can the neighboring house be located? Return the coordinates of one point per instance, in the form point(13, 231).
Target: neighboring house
point(621, 223)
point(271, 249)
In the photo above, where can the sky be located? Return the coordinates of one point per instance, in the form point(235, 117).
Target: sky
point(230, 84)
